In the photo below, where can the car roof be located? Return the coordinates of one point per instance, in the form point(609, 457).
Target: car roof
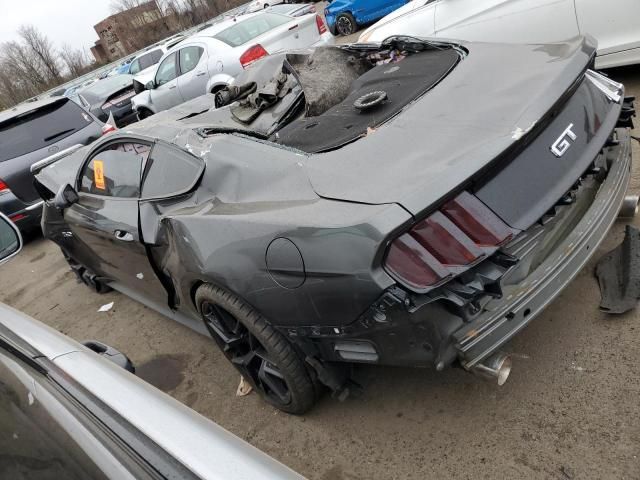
point(224, 24)
point(29, 107)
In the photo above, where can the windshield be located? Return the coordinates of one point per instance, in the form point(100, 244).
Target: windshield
point(103, 88)
point(37, 129)
point(34, 443)
point(245, 31)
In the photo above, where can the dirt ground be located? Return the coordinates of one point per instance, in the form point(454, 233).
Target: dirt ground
point(570, 409)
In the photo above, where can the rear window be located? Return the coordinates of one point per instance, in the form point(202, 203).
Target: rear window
point(245, 31)
point(34, 130)
point(149, 59)
point(108, 86)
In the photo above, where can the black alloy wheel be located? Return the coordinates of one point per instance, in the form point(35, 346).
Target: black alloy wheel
point(262, 355)
point(346, 24)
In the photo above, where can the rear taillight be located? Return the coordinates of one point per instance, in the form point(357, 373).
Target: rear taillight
point(252, 55)
point(446, 243)
point(3, 187)
point(322, 28)
point(108, 128)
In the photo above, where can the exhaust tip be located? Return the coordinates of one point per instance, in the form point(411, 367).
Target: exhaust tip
point(629, 207)
point(496, 368)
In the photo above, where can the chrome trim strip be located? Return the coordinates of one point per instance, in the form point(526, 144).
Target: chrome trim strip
point(45, 162)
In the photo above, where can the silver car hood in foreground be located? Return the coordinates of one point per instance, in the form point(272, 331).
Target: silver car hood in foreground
point(205, 448)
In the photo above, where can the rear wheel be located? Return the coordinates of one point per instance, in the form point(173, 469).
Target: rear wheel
point(346, 24)
point(263, 356)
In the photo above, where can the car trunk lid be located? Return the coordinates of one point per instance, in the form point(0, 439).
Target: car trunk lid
point(491, 102)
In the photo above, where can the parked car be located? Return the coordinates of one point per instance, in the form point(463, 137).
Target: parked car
point(345, 17)
point(277, 222)
point(74, 412)
point(532, 21)
point(30, 132)
point(293, 10)
point(209, 60)
point(258, 5)
point(143, 66)
point(110, 96)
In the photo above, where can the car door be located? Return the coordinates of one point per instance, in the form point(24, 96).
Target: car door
point(374, 9)
point(616, 25)
point(510, 21)
point(105, 218)
point(166, 93)
point(194, 75)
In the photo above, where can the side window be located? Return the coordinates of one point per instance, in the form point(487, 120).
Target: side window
point(135, 67)
point(156, 55)
point(166, 70)
point(169, 172)
point(116, 171)
point(189, 58)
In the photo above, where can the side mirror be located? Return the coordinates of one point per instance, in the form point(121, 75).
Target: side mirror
point(10, 239)
point(150, 85)
point(65, 197)
point(111, 354)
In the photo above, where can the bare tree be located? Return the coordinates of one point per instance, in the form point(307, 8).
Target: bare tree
point(74, 59)
point(42, 50)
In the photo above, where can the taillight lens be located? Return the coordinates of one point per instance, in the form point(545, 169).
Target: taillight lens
point(252, 55)
point(108, 128)
point(446, 243)
point(476, 220)
point(322, 28)
point(3, 186)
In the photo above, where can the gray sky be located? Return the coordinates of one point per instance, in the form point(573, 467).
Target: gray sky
point(69, 21)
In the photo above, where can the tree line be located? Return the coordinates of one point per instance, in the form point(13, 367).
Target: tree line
point(32, 64)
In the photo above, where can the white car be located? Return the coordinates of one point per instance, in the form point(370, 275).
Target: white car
point(258, 5)
point(143, 66)
point(615, 24)
point(210, 60)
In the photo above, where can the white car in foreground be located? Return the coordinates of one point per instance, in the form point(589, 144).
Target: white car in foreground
point(210, 60)
point(615, 23)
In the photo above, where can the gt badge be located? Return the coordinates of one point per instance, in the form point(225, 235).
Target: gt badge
point(564, 142)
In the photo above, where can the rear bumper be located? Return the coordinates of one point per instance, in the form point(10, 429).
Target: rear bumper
point(487, 333)
point(25, 216)
point(326, 39)
point(402, 329)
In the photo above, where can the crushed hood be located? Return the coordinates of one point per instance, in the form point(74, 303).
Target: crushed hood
point(487, 104)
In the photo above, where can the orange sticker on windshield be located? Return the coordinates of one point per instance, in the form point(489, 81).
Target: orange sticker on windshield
point(98, 174)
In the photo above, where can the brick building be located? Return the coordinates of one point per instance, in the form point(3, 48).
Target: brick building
point(126, 32)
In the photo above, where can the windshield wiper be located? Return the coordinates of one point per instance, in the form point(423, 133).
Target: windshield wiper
point(59, 134)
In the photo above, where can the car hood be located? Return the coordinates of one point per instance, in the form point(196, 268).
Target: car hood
point(484, 107)
point(144, 76)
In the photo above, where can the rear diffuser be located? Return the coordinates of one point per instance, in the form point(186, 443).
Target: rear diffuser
point(619, 275)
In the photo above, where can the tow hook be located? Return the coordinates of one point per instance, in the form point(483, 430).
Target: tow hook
point(497, 367)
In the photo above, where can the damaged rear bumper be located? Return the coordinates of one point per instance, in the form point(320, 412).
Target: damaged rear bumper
point(524, 301)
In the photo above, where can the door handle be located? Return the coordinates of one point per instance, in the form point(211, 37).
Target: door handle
point(200, 74)
point(172, 87)
point(123, 236)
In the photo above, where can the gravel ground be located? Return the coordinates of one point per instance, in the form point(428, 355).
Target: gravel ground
point(569, 410)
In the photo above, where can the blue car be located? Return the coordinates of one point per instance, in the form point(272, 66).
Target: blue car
point(345, 17)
